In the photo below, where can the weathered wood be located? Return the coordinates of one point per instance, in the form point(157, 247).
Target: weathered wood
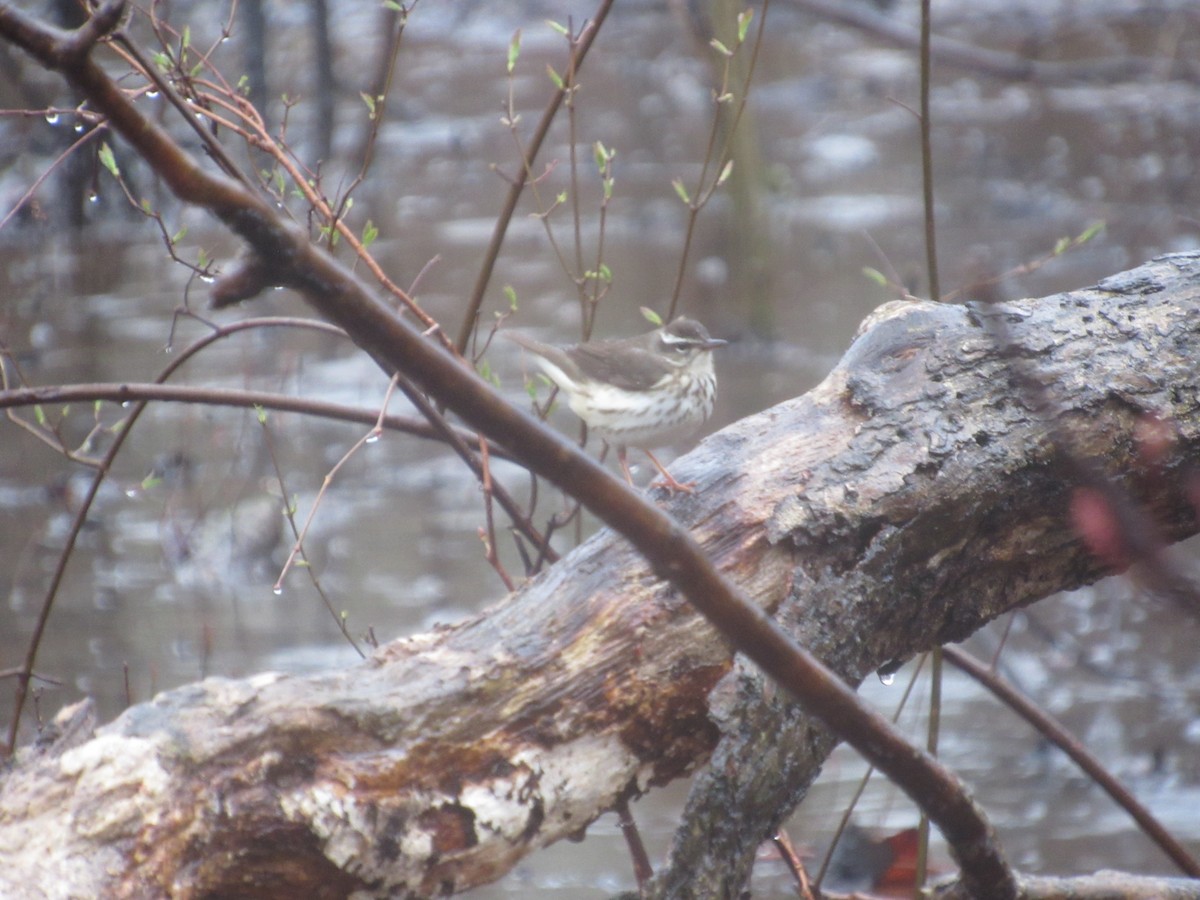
point(907, 500)
point(939, 502)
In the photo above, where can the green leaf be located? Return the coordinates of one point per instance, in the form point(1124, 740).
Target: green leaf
point(202, 260)
point(510, 293)
point(151, 481)
point(186, 40)
point(146, 207)
point(162, 61)
point(1061, 246)
point(561, 29)
point(261, 412)
point(180, 234)
point(652, 317)
point(243, 86)
point(561, 197)
point(554, 76)
point(720, 48)
point(108, 160)
point(875, 275)
point(743, 20)
point(39, 414)
point(681, 190)
point(394, 6)
point(514, 50)
point(725, 172)
point(485, 371)
point(1090, 232)
point(370, 233)
point(370, 101)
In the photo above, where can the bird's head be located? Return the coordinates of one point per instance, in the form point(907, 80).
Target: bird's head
point(684, 341)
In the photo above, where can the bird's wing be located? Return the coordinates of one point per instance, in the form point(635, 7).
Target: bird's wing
point(556, 356)
point(634, 370)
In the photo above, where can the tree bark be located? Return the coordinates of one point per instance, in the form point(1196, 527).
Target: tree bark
point(904, 502)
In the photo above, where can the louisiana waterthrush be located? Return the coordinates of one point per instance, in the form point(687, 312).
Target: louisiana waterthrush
point(642, 391)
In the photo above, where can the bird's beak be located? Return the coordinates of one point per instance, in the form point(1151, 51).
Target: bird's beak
point(713, 343)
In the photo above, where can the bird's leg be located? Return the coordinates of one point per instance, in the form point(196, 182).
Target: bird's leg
point(624, 465)
point(683, 487)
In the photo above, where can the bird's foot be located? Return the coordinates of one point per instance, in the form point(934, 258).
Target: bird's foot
point(673, 486)
point(669, 482)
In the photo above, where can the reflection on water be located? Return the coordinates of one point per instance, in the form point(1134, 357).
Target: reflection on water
point(172, 579)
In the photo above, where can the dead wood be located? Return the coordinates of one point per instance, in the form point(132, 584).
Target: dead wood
point(907, 500)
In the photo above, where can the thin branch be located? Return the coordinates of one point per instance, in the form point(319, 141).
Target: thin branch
point(642, 870)
point(62, 157)
point(984, 60)
point(1051, 728)
point(791, 859)
point(935, 292)
point(861, 787)
point(514, 192)
point(369, 437)
point(129, 392)
point(703, 193)
point(297, 535)
point(442, 428)
point(926, 123)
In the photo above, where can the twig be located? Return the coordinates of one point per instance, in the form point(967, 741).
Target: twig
point(128, 392)
point(984, 60)
point(935, 291)
point(441, 427)
point(702, 193)
point(642, 870)
point(514, 192)
point(844, 822)
point(100, 129)
point(488, 534)
point(783, 843)
point(1053, 730)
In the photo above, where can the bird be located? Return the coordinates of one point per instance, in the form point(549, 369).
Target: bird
point(643, 391)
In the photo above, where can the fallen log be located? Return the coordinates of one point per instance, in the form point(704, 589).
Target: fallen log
point(910, 498)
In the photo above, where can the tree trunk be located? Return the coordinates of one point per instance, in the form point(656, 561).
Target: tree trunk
point(907, 500)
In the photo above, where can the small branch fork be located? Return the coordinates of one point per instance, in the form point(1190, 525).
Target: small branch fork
point(285, 256)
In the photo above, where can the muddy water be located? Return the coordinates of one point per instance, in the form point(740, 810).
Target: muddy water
point(173, 578)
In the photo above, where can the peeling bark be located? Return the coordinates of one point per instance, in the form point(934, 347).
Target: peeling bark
point(904, 502)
